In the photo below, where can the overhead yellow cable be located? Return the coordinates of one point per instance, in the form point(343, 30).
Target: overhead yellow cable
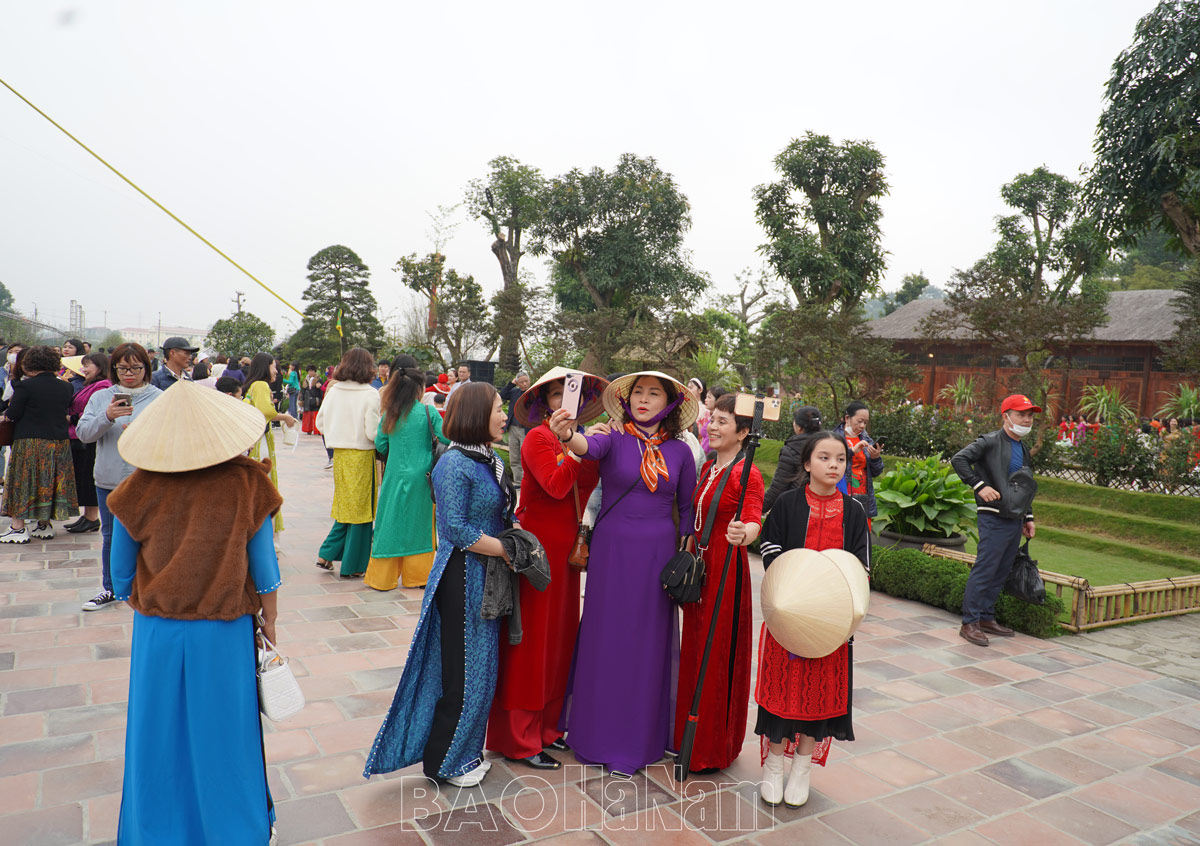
point(151, 199)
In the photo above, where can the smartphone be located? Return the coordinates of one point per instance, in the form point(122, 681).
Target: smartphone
point(744, 406)
point(122, 398)
point(572, 387)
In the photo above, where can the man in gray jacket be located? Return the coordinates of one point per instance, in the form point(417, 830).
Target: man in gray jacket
point(996, 466)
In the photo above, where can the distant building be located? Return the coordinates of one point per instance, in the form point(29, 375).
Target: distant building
point(1124, 353)
point(152, 338)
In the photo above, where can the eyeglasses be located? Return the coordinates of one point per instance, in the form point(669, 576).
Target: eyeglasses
point(131, 369)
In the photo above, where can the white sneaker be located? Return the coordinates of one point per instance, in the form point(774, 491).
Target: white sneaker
point(796, 793)
point(44, 531)
point(471, 778)
point(771, 788)
point(329, 466)
point(101, 600)
point(13, 536)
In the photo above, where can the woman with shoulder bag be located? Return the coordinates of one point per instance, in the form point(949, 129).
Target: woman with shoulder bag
point(724, 705)
point(619, 704)
point(439, 713)
point(195, 578)
point(349, 418)
point(557, 484)
point(94, 369)
point(405, 539)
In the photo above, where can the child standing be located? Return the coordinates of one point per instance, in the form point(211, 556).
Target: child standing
point(804, 703)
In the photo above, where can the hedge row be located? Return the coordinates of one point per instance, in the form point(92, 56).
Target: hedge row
point(941, 582)
point(1179, 509)
point(1163, 534)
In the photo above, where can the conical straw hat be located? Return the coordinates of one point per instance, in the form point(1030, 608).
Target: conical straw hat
point(589, 409)
point(812, 602)
point(74, 363)
point(189, 427)
point(622, 386)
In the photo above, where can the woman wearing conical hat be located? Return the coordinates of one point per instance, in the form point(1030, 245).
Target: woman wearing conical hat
point(620, 699)
point(195, 577)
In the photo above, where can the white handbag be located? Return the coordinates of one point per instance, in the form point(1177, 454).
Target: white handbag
point(279, 694)
point(291, 435)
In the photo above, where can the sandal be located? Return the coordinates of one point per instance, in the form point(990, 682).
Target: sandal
point(325, 565)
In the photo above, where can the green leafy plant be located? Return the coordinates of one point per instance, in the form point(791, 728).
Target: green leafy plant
point(925, 499)
point(1184, 402)
point(961, 392)
point(1104, 403)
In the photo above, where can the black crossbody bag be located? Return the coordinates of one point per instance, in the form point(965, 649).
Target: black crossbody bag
point(683, 576)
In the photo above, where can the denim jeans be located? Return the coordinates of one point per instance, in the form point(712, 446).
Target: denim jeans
point(293, 398)
point(999, 540)
point(106, 530)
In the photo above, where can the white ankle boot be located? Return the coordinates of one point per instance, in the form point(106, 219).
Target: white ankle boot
point(796, 793)
point(771, 789)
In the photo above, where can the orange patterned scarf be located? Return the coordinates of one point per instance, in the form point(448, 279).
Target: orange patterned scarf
point(653, 463)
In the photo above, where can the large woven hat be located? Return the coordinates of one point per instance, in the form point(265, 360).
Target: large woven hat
point(74, 363)
point(591, 401)
point(189, 427)
point(622, 386)
point(814, 601)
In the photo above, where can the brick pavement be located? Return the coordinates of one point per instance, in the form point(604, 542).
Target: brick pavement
point(1026, 742)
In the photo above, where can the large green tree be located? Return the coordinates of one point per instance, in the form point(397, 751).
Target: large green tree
point(822, 220)
point(240, 334)
point(464, 326)
point(509, 200)
point(1147, 168)
point(1182, 352)
point(911, 288)
point(6, 298)
point(1031, 297)
point(339, 283)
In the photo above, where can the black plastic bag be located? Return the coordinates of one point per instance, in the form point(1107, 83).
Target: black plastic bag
point(1024, 580)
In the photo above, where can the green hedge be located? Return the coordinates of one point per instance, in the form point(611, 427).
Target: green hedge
point(941, 582)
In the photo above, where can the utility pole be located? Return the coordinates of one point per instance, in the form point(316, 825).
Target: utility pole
point(238, 300)
point(159, 344)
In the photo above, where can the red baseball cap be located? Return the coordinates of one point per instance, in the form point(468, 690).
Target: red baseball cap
point(1018, 402)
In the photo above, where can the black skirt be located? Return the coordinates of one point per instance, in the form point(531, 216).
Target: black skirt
point(779, 729)
point(84, 457)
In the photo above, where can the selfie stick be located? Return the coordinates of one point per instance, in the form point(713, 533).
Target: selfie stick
point(684, 760)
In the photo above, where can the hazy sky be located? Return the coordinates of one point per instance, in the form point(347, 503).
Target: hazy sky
point(279, 128)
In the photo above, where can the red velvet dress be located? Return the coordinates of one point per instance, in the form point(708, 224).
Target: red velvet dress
point(796, 695)
point(533, 675)
point(725, 701)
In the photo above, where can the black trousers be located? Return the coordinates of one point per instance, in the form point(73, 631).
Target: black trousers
point(451, 601)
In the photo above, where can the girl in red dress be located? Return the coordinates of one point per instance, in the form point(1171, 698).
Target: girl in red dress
point(805, 703)
point(533, 675)
point(725, 700)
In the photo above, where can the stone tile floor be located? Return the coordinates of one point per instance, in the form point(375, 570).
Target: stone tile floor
point(1025, 742)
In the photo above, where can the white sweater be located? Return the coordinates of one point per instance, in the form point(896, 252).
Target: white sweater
point(349, 416)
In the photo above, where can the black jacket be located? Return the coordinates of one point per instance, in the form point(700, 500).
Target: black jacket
point(787, 528)
point(984, 461)
point(785, 471)
point(39, 407)
point(510, 393)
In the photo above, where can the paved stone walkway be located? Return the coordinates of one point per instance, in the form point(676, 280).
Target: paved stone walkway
point(1026, 742)
point(1170, 646)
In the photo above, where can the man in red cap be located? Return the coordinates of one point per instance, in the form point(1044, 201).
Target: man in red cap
point(996, 466)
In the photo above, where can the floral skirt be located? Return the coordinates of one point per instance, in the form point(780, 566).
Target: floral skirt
point(41, 481)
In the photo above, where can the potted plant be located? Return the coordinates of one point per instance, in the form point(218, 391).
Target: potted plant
point(923, 502)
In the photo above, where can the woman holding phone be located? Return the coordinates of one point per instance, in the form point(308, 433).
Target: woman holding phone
point(104, 418)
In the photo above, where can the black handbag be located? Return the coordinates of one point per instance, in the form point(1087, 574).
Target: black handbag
point(1024, 581)
point(683, 576)
point(437, 450)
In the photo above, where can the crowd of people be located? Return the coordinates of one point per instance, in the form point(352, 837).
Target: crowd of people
point(507, 655)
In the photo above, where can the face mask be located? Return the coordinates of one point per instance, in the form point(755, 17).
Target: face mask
point(1021, 430)
point(12, 359)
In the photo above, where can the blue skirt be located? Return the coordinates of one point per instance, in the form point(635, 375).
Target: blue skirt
point(194, 768)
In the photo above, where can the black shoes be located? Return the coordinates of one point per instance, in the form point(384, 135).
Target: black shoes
point(560, 745)
point(540, 761)
point(83, 526)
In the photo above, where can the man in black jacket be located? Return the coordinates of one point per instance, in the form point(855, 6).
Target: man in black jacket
point(510, 393)
point(996, 466)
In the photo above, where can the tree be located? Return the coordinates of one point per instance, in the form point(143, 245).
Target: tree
point(463, 325)
point(510, 201)
point(1147, 169)
point(1147, 265)
point(6, 298)
point(338, 286)
point(1182, 352)
point(826, 358)
point(911, 288)
point(616, 235)
point(822, 219)
point(112, 340)
point(240, 334)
